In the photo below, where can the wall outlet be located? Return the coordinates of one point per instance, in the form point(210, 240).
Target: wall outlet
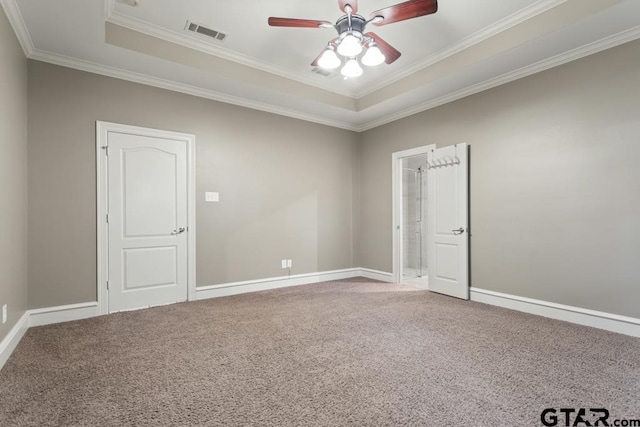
point(283, 263)
point(288, 263)
point(4, 313)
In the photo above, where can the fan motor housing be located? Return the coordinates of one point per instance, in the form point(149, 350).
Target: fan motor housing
point(357, 24)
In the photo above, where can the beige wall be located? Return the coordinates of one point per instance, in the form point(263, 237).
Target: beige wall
point(286, 186)
point(555, 182)
point(13, 176)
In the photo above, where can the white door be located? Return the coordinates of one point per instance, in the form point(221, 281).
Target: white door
point(147, 221)
point(448, 233)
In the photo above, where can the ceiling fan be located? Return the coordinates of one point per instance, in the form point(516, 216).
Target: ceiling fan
point(352, 39)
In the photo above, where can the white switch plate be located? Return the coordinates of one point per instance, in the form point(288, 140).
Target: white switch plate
point(288, 263)
point(4, 313)
point(284, 263)
point(211, 196)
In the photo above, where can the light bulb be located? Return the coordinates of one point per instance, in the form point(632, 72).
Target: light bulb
point(350, 46)
point(373, 56)
point(351, 68)
point(329, 60)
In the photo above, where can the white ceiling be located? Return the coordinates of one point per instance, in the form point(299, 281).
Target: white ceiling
point(466, 47)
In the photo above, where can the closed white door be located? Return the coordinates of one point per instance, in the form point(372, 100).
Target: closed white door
point(448, 234)
point(147, 221)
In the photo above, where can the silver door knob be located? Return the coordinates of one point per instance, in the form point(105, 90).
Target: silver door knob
point(178, 231)
point(458, 231)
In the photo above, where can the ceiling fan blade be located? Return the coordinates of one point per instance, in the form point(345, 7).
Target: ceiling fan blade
point(343, 4)
point(298, 23)
point(391, 54)
point(403, 11)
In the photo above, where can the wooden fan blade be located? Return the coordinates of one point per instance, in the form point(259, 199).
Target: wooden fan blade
point(297, 23)
point(403, 11)
point(391, 54)
point(343, 4)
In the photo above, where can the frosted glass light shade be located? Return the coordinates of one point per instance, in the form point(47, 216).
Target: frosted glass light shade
point(329, 60)
point(349, 46)
point(351, 69)
point(373, 56)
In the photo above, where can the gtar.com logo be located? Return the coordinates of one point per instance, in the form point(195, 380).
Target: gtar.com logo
point(574, 417)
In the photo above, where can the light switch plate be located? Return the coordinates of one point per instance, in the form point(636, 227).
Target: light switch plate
point(211, 196)
point(284, 263)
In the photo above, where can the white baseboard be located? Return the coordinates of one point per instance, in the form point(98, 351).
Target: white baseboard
point(9, 343)
point(383, 276)
point(582, 316)
point(235, 288)
point(63, 313)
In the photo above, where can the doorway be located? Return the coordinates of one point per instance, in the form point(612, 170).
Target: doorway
point(146, 217)
point(430, 219)
point(414, 221)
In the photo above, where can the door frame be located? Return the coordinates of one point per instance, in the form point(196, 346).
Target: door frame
point(102, 133)
point(396, 203)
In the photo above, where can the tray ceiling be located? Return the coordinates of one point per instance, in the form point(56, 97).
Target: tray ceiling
point(466, 47)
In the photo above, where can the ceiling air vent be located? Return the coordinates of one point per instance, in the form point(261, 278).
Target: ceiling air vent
point(201, 29)
point(321, 71)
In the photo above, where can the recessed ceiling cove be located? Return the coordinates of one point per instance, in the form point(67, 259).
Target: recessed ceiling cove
point(226, 50)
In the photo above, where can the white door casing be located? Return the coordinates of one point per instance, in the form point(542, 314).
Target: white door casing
point(147, 240)
point(448, 221)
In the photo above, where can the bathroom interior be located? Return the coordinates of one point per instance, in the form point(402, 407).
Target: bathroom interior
point(414, 221)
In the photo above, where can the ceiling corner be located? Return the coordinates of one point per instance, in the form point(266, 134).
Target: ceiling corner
point(19, 27)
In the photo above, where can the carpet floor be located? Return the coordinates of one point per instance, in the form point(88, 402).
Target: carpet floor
point(353, 352)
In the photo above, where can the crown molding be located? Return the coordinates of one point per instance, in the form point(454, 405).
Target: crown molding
point(194, 42)
point(118, 73)
point(563, 58)
point(19, 27)
point(17, 22)
point(502, 25)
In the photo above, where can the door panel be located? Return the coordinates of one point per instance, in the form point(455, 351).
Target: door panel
point(148, 267)
point(448, 221)
point(149, 186)
point(147, 202)
point(446, 262)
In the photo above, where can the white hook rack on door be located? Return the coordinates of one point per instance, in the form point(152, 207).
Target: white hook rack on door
point(443, 161)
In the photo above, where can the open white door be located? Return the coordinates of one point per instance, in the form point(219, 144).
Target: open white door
point(448, 241)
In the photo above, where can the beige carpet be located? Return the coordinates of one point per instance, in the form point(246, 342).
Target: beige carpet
point(353, 352)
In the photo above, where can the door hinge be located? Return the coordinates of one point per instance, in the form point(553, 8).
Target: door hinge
point(107, 285)
point(107, 218)
point(106, 150)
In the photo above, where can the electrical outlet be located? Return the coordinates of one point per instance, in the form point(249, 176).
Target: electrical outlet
point(4, 313)
point(284, 263)
point(288, 263)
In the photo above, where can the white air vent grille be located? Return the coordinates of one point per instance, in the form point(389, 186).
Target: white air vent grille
point(208, 32)
point(321, 71)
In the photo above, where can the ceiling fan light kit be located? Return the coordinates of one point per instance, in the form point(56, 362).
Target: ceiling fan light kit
point(351, 69)
point(373, 56)
point(329, 60)
point(351, 44)
point(352, 39)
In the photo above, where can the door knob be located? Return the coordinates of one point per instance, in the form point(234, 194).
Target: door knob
point(178, 231)
point(458, 231)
